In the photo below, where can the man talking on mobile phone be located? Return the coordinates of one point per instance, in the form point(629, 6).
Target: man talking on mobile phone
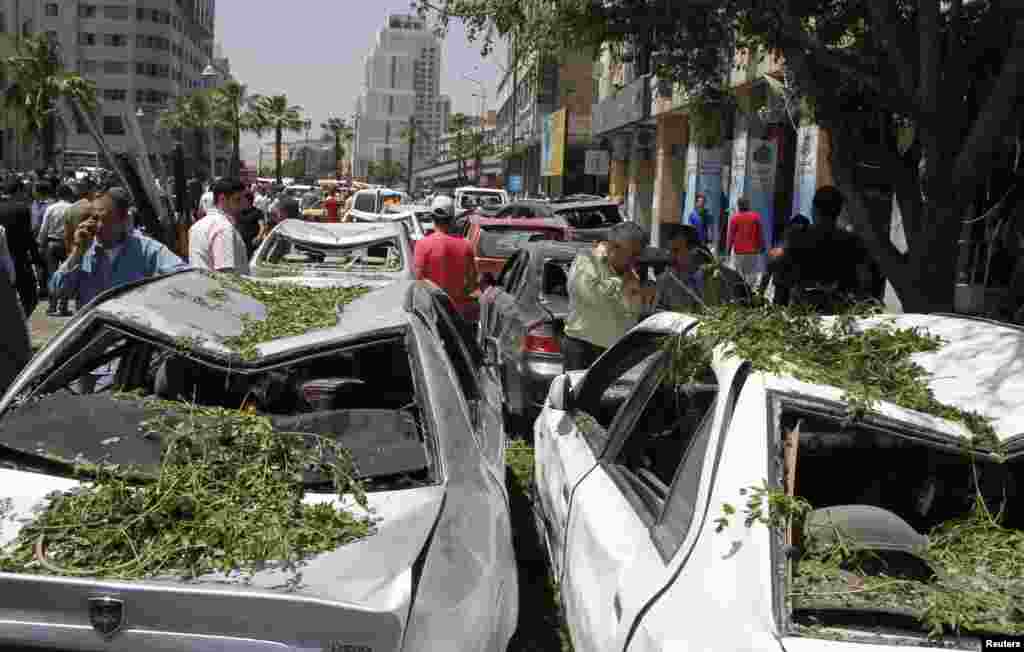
point(606, 295)
point(108, 253)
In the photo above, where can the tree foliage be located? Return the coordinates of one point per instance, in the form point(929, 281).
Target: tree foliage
point(948, 74)
point(38, 80)
point(233, 110)
point(341, 132)
point(387, 171)
point(272, 112)
point(190, 113)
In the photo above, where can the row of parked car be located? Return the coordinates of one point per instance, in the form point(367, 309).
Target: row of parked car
point(631, 470)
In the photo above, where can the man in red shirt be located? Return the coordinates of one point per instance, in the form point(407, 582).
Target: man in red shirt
point(745, 242)
point(448, 261)
point(331, 207)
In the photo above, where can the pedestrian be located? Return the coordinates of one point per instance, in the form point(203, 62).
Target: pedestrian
point(680, 288)
point(745, 241)
point(700, 219)
point(606, 295)
point(287, 209)
point(448, 261)
point(107, 253)
point(41, 200)
point(214, 242)
point(823, 258)
point(16, 218)
point(207, 201)
point(331, 207)
point(51, 242)
point(774, 268)
point(249, 222)
point(194, 193)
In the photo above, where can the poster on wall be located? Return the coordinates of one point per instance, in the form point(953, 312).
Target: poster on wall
point(704, 172)
point(806, 170)
point(553, 144)
point(737, 185)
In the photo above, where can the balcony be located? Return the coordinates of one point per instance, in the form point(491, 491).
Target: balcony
point(630, 105)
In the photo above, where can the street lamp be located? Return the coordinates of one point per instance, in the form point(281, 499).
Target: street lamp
point(210, 72)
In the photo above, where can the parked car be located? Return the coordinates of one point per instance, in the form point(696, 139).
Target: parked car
point(395, 379)
point(494, 241)
point(329, 254)
point(468, 198)
point(522, 318)
point(372, 204)
point(588, 221)
point(632, 471)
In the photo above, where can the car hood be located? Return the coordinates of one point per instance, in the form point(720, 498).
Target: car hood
point(373, 574)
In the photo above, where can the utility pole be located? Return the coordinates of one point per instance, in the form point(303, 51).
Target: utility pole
point(412, 145)
point(515, 104)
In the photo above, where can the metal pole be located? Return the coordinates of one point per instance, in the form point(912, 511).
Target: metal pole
point(412, 144)
point(515, 105)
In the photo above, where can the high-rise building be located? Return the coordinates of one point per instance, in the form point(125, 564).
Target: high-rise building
point(142, 54)
point(402, 80)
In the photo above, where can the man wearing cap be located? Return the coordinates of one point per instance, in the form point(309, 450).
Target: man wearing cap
point(448, 261)
point(108, 253)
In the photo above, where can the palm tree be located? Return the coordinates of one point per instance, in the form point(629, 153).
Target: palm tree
point(194, 112)
point(233, 110)
point(459, 147)
point(38, 80)
point(274, 112)
point(342, 132)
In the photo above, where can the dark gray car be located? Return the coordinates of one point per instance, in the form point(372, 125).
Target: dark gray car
point(522, 316)
point(394, 380)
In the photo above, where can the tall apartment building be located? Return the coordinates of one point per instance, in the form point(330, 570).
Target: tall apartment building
point(142, 54)
point(402, 80)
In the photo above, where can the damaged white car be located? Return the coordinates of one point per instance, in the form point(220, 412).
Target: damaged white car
point(393, 381)
point(747, 510)
point(326, 254)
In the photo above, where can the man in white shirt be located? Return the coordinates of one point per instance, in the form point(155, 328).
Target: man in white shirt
point(52, 245)
point(214, 242)
point(207, 201)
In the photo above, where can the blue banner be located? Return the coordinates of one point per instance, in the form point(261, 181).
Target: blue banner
point(515, 183)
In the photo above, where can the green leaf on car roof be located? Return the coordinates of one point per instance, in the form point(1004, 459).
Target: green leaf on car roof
point(292, 310)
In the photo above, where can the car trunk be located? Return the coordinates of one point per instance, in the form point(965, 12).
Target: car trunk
point(888, 488)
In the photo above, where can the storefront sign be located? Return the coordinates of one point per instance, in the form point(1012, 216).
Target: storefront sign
point(596, 162)
point(515, 183)
point(761, 168)
point(553, 144)
point(703, 175)
point(806, 173)
point(629, 105)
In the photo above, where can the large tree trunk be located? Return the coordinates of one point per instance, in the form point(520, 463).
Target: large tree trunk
point(337, 154)
point(277, 154)
point(236, 155)
point(49, 139)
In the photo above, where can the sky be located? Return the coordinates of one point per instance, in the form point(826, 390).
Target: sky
point(312, 51)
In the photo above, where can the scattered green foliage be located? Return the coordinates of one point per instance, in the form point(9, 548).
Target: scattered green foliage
point(519, 459)
point(767, 505)
point(867, 364)
point(292, 310)
point(978, 583)
point(188, 342)
point(228, 496)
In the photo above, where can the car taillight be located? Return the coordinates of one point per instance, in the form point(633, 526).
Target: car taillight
point(541, 338)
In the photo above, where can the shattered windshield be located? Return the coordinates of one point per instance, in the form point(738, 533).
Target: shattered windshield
point(90, 406)
point(899, 531)
point(289, 254)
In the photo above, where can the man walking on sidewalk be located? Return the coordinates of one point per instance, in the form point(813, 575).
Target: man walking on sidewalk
point(51, 243)
point(745, 242)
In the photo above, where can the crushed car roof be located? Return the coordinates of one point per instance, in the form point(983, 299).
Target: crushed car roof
point(979, 367)
point(337, 234)
point(175, 307)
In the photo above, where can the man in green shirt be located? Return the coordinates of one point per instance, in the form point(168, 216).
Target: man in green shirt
point(606, 296)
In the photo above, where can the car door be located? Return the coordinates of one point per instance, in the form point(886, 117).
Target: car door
point(478, 383)
point(502, 306)
point(569, 443)
point(622, 534)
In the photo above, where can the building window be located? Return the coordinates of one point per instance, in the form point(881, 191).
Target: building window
point(115, 67)
point(86, 11)
point(117, 12)
point(85, 38)
point(115, 40)
point(114, 94)
point(52, 9)
point(112, 125)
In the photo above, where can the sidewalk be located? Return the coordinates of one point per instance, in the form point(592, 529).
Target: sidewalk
point(43, 327)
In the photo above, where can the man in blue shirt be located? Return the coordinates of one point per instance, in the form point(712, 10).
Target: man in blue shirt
point(108, 253)
point(699, 218)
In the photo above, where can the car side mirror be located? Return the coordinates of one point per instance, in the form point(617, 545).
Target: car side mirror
point(560, 394)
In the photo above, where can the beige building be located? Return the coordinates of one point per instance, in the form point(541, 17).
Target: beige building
point(141, 54)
